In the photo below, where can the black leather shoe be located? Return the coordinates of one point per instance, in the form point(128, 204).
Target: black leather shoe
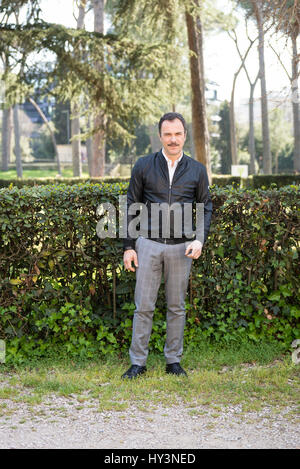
point(175, 369)
point(134, 371)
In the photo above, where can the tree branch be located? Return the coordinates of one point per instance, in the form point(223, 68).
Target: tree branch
point(279, 59)
point(37, 107)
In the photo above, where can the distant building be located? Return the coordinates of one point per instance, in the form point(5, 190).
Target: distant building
point(211, 92)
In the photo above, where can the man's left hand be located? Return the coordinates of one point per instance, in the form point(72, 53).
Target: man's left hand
point(194, 249)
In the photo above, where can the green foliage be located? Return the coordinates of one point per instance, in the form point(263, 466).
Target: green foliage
point(286, 159)
point(42, 146)
point(281, 141)
point(222, 143)
point(61, 118)
point(126, 87)
point(46, 181)
point(274, 180)
point(252, 182)
point(62, 285)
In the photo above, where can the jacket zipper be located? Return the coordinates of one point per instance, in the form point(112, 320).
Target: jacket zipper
point(170, 189)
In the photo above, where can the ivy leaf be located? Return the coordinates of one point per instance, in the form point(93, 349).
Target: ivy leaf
point(16, 281)
point(220, 251)
point(275, 296)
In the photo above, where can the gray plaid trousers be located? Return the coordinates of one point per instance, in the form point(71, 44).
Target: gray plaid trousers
point(154, 259)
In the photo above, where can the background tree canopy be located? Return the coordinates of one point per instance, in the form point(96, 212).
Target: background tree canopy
point(106, 87)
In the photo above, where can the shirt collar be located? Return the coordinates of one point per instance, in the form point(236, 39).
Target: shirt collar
point(169, 161)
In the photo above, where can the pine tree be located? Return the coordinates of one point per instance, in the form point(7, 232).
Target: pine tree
point(124, 90)
point(75, 109)
point(223, 144)
point(98, 161)
point(161, 16)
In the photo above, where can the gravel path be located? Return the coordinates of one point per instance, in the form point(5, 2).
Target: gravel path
point(61, 422)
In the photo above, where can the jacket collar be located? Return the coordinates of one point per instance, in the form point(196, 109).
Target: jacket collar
point(168, 160)
point(164, 165)
point(163, 159)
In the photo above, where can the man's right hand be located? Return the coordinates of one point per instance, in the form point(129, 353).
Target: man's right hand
point(130, 256)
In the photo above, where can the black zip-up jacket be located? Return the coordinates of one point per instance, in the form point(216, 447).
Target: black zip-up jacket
point(150, 185)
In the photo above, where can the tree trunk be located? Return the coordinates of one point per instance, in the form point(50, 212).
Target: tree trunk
point(233, 140)
point(37, 107)
point(89, 154)
point(251, 143)
point(267, 157)
point(76, 143)
point(199, 119)
point(295, 103)
point(6, 137)
point(98, 162)
point(81, 14)
point(75, 122)
point(276, 162)
point(89, 148)
point(154, 138)
point(17, 142)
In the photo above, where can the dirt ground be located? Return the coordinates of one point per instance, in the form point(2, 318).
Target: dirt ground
point(64, 422)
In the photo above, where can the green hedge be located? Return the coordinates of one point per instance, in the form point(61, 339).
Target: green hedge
point(252, 182)
point(31, 182)
point(62, 285)
point(278, 180)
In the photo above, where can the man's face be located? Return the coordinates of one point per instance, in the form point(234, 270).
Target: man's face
point(172, 137)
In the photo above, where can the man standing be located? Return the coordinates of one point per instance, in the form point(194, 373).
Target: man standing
point(171, 179)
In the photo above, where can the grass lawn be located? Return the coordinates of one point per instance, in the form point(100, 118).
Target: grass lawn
point(253, 376)
point(38, 173)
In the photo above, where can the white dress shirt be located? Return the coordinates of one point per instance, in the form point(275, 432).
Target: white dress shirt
point(171, 165)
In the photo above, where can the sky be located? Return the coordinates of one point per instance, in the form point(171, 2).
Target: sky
point(220, 55)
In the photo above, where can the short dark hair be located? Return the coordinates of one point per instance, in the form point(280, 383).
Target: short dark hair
point(170, 116)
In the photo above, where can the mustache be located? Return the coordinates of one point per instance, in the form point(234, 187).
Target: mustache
point(173, 145)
